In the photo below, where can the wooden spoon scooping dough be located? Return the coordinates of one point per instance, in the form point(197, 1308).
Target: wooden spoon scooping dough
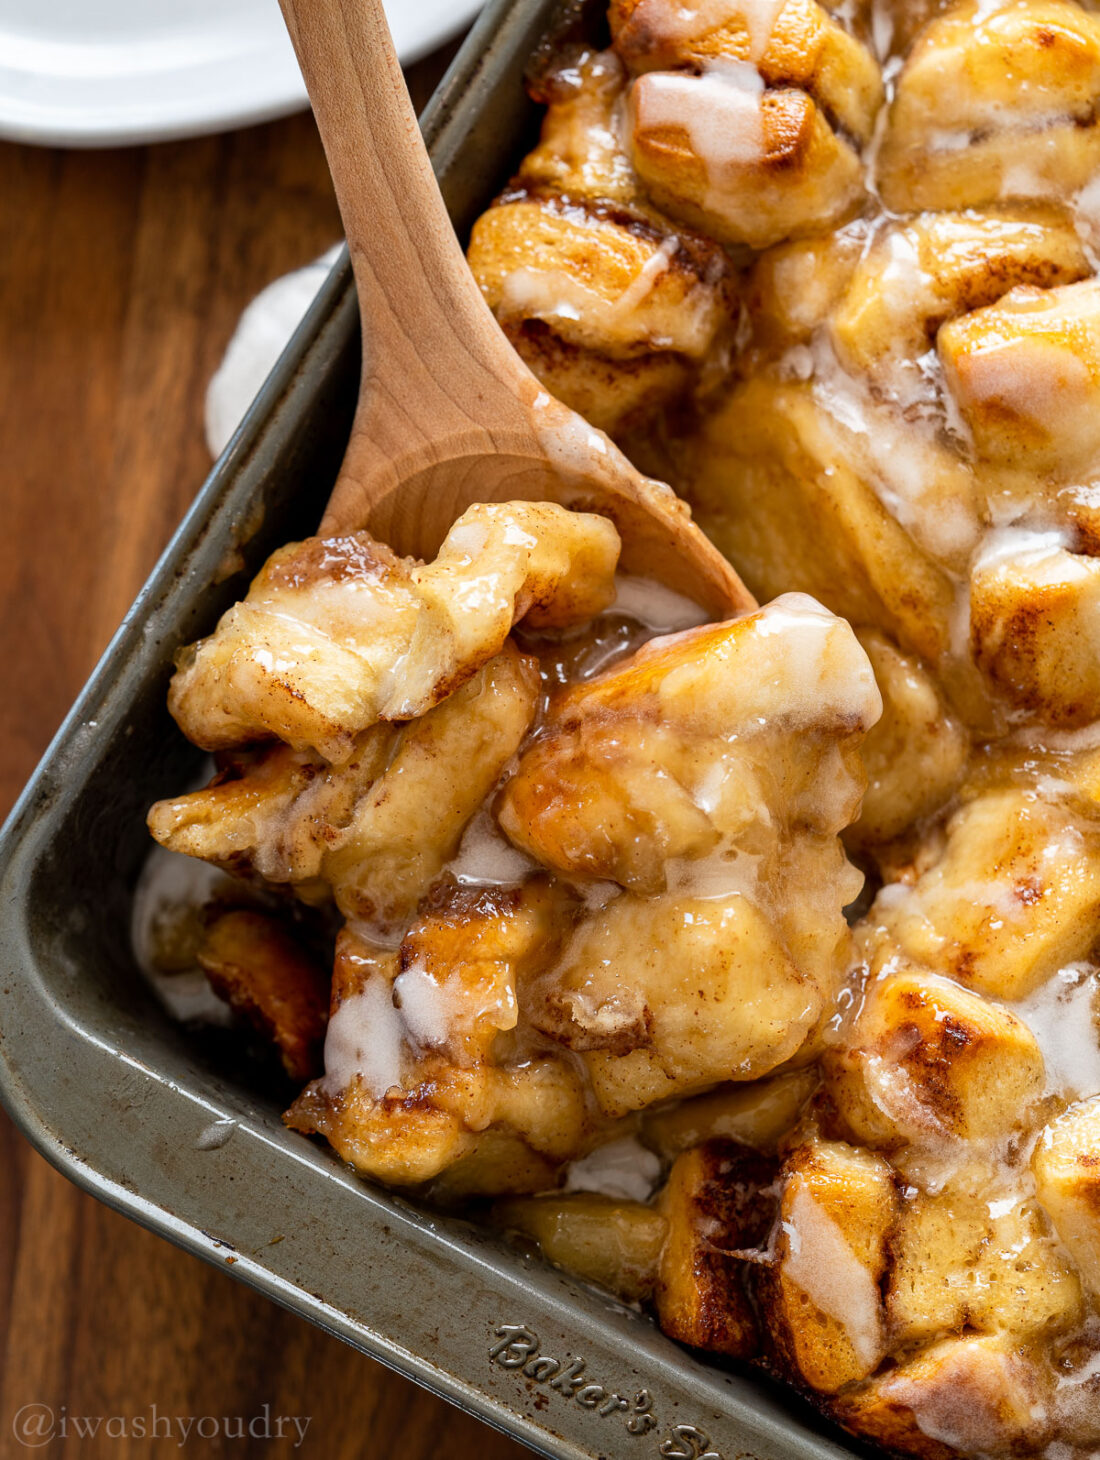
point(448, 414)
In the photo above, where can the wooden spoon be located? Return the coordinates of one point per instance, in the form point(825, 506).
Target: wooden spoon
point(448, 414)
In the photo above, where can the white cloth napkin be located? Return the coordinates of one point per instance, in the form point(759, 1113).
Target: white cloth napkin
point(263, 330)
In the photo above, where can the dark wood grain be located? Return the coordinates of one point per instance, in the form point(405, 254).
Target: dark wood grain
point(122, 274)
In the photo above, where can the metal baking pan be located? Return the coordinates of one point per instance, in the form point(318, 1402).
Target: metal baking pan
point(125, 1102)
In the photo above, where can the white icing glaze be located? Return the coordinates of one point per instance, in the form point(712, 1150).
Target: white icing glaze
point(965, 1406)
point(654, 606)
point(822, 1263)
point(1024, 546)
point(365, 1039)
point(624, 1169)
point(428, 1008)
point(683, 23)
point(1086, 215)
point(719, 876)
point(903, 457)
point(882, 29)
point(217, 1134)
point(485, 857)
point(171, 884)
point(761, 17)
point(720, 111)
point(1062, 1015)
point(815, 665)
point(570, 443)
point(559, 297)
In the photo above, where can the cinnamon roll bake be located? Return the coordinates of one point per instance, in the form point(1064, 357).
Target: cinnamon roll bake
point(748, 969)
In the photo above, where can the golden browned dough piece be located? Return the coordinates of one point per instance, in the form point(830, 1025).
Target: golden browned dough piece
point(614, 308)
point(1007, 895)
point(1034, 616)
point(426, 1064)
point(757, 1113)
point(953, 1288)
point(265, 975)
point(915, 756)
point(311, 655)
point(820, 1297)
point(707, 776)
point(773, 455)
point(927, 1062)
point(1066, 1164)
point(373, 833)
point(743, 164)
point(984, 1395)
point(1025, 374)
point(714, 1211)
point(921, 273)
point(994, 103)
point(602, 1239)
point(742, 145)
point(794, 43)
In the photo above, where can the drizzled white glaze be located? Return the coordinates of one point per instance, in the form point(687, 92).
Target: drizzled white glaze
point(486, 858)
point(428, 1008)
point(816, 664)
point(555, 294)
point(822, 1263)
point(1062, 1015)
point(720, 111)
point(1024, 546)
point(624, 1169)
point(903, 455)
point(682, 23)
point(365, 1039)
point(654, 606)
point(170, 886)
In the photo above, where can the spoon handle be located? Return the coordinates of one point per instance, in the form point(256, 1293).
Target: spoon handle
point(436, 368)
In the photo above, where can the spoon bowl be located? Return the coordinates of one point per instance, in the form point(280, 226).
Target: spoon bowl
point(448, 414)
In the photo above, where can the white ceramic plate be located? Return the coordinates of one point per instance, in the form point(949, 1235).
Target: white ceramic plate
point(95, 73)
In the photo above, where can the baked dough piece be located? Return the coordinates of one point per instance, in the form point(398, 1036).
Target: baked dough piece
point(614, 308)
point(795, 498)
point(928, 1063)
point(1025, 375)
point(1066, 1164)
point(792, 43)
point(922, 272)
point(1035, 626)
point(375, 832)
point(418, 1076)
point(820, 1298)
point(311, 655)
point(708, 776)
point(995, 103)
point(967, 1259)
point(964, 1395)
point(714, 1213)
point(743, 164)
point(1009, 897)
point(743, 117)
point(614, 1243)
point(916, 754)
point(269, 979)
point(687, 748)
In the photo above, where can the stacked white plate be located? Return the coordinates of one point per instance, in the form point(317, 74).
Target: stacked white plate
point(96, 73)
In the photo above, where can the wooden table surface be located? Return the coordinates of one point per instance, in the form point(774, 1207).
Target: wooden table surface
point(122, 274)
